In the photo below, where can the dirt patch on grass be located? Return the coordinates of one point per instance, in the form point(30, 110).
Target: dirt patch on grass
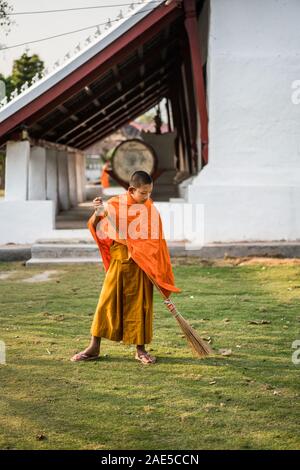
point(241, 261)
point(42, 277)
point(5, 275)
point(248, 261)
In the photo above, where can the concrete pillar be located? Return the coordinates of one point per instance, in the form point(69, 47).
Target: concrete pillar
point(191, 27)
point(72, 178)
point(78, 169)
point(83, 177)
point(52, 177)
point(63, 180)
point(37, 174)
point(16, 170)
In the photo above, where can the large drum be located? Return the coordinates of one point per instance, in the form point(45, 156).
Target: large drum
point(132, 155)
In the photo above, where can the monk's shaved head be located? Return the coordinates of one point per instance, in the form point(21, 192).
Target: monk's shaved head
point(139, 178)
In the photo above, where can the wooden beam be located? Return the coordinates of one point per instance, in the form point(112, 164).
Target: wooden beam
point(105, 90)
point(109, 103)
point(143, 107)
point(136, 98)
point(191, 25)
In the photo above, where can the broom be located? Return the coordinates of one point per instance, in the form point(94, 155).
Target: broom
point(200, 348)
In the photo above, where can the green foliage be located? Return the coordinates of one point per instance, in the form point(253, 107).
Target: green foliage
point(9, 87)
point(5, 18)
point(25, 68)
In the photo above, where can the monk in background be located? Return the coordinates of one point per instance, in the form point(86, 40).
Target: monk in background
point(129, 235)
point(104, 180)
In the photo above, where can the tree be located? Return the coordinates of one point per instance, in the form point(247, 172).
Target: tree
point(5, 18)
point(7, 87)
point(5, 24)
point(146, 118)
point(25, 68)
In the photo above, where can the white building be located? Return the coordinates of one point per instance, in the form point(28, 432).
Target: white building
point(230, 71)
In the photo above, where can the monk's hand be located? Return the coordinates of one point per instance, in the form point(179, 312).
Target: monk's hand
point(98, 206)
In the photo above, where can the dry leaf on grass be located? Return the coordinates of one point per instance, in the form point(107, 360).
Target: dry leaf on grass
point(225, 352)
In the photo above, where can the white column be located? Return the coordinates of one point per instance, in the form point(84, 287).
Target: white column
point(72, 178)
point(63, 180)
point(250, 188)
point(83, 176)
point(16, 170)
point(52, 177)
point(78, 169)
point(37, 174)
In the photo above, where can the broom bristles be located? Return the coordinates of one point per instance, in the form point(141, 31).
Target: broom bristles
point(199, 347)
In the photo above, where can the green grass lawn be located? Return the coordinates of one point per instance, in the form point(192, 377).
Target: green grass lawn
point(249, 400)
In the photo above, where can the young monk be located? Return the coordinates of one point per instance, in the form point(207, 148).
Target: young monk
point(128, 232)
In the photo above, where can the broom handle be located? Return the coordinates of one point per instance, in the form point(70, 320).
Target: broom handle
point(169, 304)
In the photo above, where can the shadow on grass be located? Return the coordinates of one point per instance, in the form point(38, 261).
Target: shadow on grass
point(239, 362)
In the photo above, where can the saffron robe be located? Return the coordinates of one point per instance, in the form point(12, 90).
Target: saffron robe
point(125, 307)
point(149, 250)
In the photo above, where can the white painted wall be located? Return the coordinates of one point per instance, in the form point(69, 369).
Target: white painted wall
point(25, 221)
point(63, 180)
point(82, 175)
point(37, 174)
point(72, 178)
point(78, 170)
point(251, 187)
point(52, 176)
point(16, 170)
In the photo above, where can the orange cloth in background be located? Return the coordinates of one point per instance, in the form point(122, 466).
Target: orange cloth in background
point(151, 254)
point(105, 176)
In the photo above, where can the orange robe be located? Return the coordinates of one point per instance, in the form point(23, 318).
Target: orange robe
point(149, 251)
point(125, 307)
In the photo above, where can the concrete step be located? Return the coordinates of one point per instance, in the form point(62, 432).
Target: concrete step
point(80, 260)
point(83, 251)
point(75, 251)
point(62, 250)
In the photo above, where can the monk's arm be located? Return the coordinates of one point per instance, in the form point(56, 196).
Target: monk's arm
point(96, 218)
